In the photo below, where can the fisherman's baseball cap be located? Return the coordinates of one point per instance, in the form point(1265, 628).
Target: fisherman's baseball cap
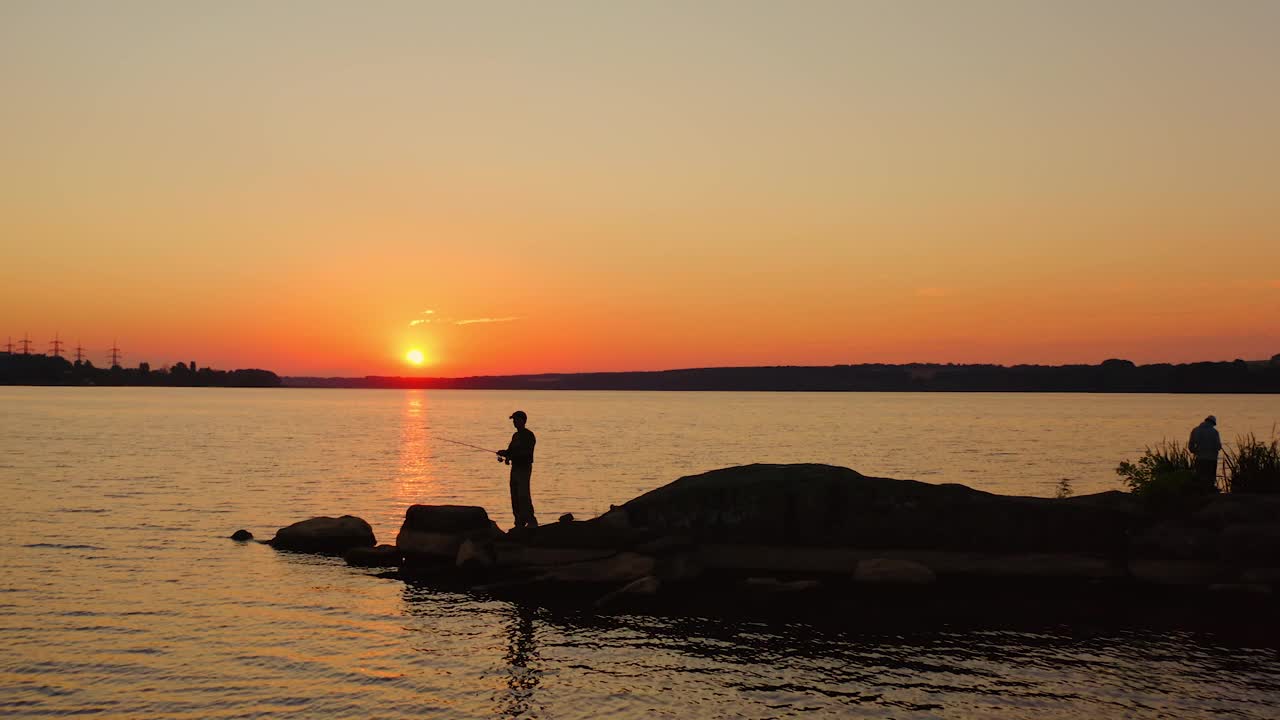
point(518, 414)
point(1211, 420)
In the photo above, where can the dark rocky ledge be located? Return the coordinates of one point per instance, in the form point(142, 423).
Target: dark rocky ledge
point(809, 541)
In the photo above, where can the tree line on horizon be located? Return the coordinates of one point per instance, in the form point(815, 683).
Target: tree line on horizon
point(1115, 375)
point(23, 369)
point(1237, 376)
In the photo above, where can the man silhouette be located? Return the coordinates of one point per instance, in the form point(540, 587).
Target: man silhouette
point(1205, 444)
point(519, 454)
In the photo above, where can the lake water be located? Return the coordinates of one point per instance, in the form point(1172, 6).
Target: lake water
point(121, 597)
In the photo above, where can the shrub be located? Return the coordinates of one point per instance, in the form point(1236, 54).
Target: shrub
point(1166, 457)
point(1253, 466)
point(1164, 477)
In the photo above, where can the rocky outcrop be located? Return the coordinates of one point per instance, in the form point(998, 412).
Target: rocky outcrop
point(451, 519)
point(325, 535)
point(826, 506)
point(242, 536)
point(770, 535)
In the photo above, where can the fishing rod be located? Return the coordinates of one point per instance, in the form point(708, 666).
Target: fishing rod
point(473, 447)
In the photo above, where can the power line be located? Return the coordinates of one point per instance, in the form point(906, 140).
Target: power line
point(79, 352)
point(115, 354)
point(25, 342)
point(8, 346)
point(57, 345)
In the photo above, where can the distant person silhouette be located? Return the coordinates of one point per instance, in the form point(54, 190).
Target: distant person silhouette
point(1205, 444)
point(519, 454)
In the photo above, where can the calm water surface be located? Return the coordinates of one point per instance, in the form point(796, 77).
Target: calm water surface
point(121, 596)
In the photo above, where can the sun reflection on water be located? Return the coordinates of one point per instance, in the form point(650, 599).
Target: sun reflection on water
point(415, 471)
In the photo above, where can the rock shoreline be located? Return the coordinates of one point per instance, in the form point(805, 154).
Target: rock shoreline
point(812, 540)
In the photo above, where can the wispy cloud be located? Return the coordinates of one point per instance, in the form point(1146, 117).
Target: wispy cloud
point(433, 319)
point(422, 320)
point(485, 320)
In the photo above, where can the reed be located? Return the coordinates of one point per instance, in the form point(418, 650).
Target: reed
point(1253, 466)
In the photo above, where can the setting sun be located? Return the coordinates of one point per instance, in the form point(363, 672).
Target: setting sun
point(415, 357)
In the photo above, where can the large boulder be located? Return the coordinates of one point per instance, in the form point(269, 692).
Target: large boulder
point(433, 534)
point(823, 505)
point(325, 535)
point(452, 519)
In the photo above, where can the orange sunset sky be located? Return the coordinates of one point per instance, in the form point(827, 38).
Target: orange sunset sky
point(601, 186)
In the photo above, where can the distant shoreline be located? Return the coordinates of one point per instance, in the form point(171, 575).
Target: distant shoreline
point(1112, 376)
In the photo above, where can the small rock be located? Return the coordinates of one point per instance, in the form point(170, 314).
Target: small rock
point(242, 536)
point(380, 556)
point(566, 518)
point(887, 571)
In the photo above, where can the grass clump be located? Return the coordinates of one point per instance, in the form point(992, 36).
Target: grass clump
point(1253, 466)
